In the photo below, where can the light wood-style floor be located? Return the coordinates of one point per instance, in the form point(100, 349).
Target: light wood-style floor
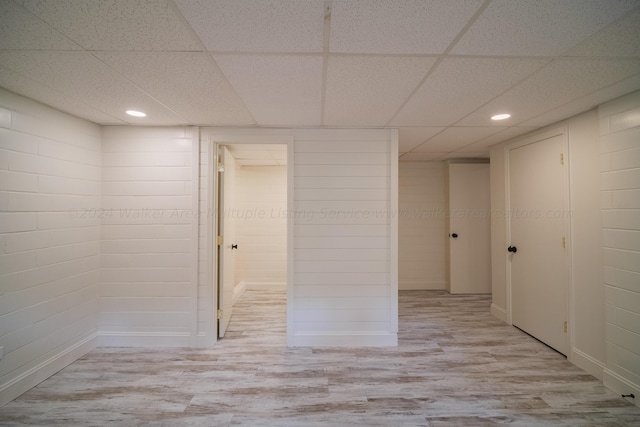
point(455, 365)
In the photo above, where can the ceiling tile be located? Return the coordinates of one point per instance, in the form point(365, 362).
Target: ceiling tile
point(460, 85)
point(20, 29)
point(464, 155)
point(483, 145)
point(277, 89)
point(188, 81)
point(411, 137)
point(118, 24)
point(558, 83)
point(63, 102)
point(619, 39)
point(368, 90)
point(397, 26)
point(587, 102)
point(80, 76)
point(542, 27)
point(259, 154)
point(252, 26)
point(454, 138)
point(420, 157)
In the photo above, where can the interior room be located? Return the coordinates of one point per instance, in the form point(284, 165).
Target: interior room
point(323, 212)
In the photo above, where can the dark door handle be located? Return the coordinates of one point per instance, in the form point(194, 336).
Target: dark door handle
point(234, 246)
point(454, 235)
point(512, 249)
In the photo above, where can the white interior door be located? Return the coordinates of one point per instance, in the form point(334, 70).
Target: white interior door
point(470, 228)
point(226, 227)
point(538, 265)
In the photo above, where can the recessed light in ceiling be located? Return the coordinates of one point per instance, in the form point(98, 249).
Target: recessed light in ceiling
point(135, 113)
point(503, 116)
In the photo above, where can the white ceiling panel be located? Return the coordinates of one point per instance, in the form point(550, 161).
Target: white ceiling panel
point(619, 39)
point(257, 26)
point(484, 144)
point(464, 155)
point(118, 24)
point(420, 157)
point(277, 89)
point(558, 83)
point(342, 63)
point(368, 90)
point(204, 98)
point(259, 154)
point(586, 103)
point(20, 29)
point(19, 84)
point(541, 27)
point(397, 26)
point(460, 85)
point(411, 137)
point(81, 76)
point(454, 138)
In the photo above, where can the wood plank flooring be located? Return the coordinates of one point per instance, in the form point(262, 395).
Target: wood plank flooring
point(455, 365)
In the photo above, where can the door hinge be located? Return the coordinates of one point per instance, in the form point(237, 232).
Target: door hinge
point(564, 242)
point(219, 315)
point(220, 240)
point(565, 327)
point(562, 158)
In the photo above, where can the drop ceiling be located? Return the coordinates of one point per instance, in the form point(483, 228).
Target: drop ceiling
point(435, 69)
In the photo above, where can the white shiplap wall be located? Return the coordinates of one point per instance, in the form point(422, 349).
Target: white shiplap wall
point(149, 237)
point(261, 225)
point(422, 226)
point(620, 195)
point(345, 238)
point(50, 172)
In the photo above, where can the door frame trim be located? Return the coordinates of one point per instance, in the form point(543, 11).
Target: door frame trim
point(536, 137)
point(210, 139)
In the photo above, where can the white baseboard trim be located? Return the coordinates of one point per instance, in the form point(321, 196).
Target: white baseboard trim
point(35, 375)
point(382, 339)
point(422, 286)
point(621, 385)
point(499, 312)
point(238, 290)
point(266, 286)
point(584, 361)
point(144, 339)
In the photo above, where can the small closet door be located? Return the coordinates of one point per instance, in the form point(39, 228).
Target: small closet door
point(469, 228)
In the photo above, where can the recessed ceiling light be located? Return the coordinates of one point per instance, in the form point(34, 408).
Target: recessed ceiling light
point(501, 116)
point(135, 113)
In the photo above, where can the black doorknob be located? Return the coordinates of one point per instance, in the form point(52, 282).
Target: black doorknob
point(454, 235)
point(234, 246)
point(512, 249)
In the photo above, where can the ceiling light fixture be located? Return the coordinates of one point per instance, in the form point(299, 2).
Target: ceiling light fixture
point(135, 113)
point(503, 116)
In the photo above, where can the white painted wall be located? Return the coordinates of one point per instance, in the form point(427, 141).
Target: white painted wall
point(620, 198)
point(49, 241)
point(345, 241)
point(261, 225)
point(149, 237)
point(422, 226)
point(586, 317)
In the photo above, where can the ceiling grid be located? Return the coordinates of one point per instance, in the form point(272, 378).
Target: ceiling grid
point(435, 69)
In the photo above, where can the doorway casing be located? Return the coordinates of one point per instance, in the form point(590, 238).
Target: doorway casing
point(208, 193)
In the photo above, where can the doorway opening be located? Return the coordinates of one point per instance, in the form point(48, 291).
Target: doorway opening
point(251, 219)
